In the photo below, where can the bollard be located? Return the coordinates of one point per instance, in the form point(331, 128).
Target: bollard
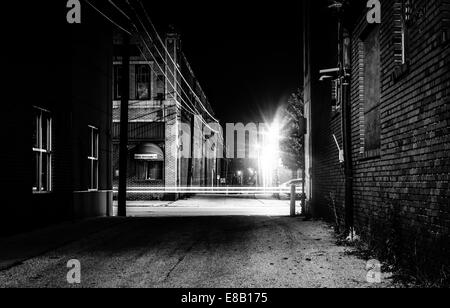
point(293, 199)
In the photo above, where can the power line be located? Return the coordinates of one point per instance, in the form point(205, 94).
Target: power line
point(119, 9)
point(104, 15)
point(173, 61)
point(191, 111)
point(168, 80)
point(162, 58)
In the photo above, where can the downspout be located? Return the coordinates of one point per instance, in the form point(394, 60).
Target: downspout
point(344, 78)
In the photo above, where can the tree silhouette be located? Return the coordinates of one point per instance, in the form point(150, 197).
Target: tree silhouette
point(292, 143)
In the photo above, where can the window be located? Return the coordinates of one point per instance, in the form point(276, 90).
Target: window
point(161, 87)
point(150, 170)
point(445, 11)
point(154, 171)
point(143, 83)
point(160, 115)
point(372, 93)
point(402, 20)
point(42, 151)
point(117, 82)
point(93, 158)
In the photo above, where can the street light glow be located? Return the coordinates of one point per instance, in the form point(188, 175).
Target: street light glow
point(270, 153)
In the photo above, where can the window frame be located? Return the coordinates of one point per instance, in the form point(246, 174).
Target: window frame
point(93, 158)
point(445, 17)
point(402, 19)
point(406, 11)
point(42, 152)
point(148, 172)
point(138, 75)
point(365, 153)
point(143, 170)
point(161, 87)
point(117, 82)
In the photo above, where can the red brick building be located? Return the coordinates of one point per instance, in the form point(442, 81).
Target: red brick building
point(399, 114)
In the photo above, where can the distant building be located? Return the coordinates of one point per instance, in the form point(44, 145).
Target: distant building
point(166, 104)
point(400, 115)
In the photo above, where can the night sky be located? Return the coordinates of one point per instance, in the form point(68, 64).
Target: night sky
point(246, 55)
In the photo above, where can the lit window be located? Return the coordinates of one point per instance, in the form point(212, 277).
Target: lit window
point(93, 158)
point(42, 151)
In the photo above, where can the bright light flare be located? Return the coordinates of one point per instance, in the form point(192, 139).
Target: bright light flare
point(270, 155)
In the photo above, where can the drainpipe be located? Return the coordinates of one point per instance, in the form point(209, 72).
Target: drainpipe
point(344, 78)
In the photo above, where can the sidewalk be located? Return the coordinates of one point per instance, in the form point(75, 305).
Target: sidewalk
point(141, 204)
point(19, 248)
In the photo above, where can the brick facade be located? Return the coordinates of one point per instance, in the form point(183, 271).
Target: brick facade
point(403, 186)
point(162, 118)
point(68, 73)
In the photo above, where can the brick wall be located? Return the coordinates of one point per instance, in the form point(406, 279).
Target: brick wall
point(405, 187)
point(324, 173)
point(410, 178)
point(69, 75)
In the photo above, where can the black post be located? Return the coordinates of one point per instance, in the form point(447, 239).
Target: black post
point(305, 211)
point(190, 179)
point(123, 156)
point(304, 131)
point(293, 200)
point(206, 166)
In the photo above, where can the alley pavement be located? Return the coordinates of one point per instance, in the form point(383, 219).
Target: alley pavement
point(237, 247)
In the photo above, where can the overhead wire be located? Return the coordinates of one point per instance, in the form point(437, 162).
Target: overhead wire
point(188, 109)
point(170, 57)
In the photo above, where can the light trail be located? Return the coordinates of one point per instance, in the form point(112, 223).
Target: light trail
point(210, 190)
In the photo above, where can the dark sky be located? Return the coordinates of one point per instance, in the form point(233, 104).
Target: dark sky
point(246, 54)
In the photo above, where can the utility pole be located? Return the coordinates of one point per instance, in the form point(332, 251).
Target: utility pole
point(123, 155)
point(191, 158)
point(303, 132)
point(344, 80)
point(205, 157)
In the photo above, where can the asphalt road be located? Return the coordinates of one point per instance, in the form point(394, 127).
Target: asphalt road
point(226, 251)
point(213, 205)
